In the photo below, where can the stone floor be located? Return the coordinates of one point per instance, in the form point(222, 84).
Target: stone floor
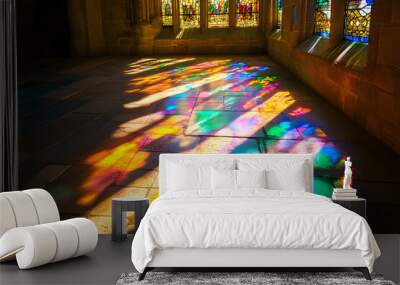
point(92, 129)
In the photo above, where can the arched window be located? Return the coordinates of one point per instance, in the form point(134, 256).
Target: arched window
point(166, 12)
point(189, 13)
point(247, 13)
point(357, 20)
point(278, 9)
point(322, 18)
point(218, 13)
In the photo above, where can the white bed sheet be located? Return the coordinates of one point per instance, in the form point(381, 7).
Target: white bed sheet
point(251, 218)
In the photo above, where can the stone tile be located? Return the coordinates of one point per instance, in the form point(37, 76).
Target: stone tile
point(134, 115)
point(103, 224)
point(277, 103)
point(323, 122)
point(210, 105)
point(168, 143)
point(156, 181)
point(75, 88)
point(281, 127)
point(227, 145)
point(169, 125)
point(175, 106)
point(324, 185)
point(130, 128)
point(153, 194)
point(241, 104)
point(77, 147)
point(47, 175)
point(36, 139)
point(100, 106)
point(136, 178)
point(79, 187)
point(328, 157)
point(226, 124)
point(103, 208)
point(144, 160)
point(209, 97)
point(83, 186)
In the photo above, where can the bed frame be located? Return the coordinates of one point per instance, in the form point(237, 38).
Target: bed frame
point(246, 258)
point(243, 259)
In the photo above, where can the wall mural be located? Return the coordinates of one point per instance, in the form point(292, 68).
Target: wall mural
point(357, 20)
point(322, 17)
point(218, 13)
point(190, 105)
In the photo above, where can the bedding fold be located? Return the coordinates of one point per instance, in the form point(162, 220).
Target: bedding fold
point(251, 218)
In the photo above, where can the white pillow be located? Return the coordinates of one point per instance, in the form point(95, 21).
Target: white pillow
point(190, 177)
point(282, 174)
point(251, 178)
point(223, 179)
point(227, 179)
point(290, 179)
point(194, 174)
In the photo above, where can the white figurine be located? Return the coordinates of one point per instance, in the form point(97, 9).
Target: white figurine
point(347, 174)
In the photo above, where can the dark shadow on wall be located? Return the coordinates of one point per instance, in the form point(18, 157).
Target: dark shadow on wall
point(42, 29)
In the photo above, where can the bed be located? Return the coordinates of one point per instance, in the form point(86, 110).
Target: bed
point(247, 210)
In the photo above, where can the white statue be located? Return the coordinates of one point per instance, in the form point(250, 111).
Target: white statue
point(347, 174)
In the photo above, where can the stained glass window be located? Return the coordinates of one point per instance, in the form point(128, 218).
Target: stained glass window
point(322, 18)
point(166, 11)
point(357, 20)
point(218, 13)
point(189, 11)
point(278, 6)
point(247, 13)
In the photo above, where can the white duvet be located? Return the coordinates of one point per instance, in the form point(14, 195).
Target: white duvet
point(250, 218)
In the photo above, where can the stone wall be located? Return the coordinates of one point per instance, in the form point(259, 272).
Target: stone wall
point(38, 39)
point(362, 81)
point(131, 27)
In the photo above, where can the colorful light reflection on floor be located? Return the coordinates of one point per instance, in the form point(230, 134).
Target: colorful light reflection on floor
point(200, 106)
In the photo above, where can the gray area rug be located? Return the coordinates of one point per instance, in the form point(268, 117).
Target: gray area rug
point(269, 278)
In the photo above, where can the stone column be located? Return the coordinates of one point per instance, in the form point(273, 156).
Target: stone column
point(86, 26)
point(175, 16)
point(337, 22)
point(262, 11)
point(309, 16)
point(147, 27)
point(95, 27)
point(382, 14)
point(203, 15)
point(269, 16)
point(232, 13)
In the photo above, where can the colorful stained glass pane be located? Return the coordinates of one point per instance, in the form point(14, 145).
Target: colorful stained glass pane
point(166, 12)
point(278, 5)
point(357, 20)
point(218, 13)
point(322, 18)
point(247, 13)
point(189, 13)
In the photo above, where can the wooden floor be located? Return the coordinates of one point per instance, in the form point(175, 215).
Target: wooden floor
point(106, 264)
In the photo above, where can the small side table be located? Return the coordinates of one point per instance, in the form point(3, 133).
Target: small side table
point(120, 206)
point(357, 205)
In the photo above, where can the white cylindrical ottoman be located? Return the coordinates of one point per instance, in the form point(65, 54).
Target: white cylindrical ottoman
point(40, 244)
